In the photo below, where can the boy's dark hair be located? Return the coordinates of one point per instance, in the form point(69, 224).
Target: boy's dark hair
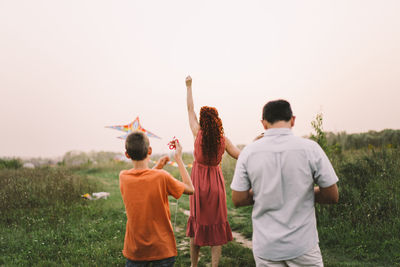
point(137, 145)
point(277, 110)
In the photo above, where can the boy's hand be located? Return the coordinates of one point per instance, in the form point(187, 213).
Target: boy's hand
point(189, 82)
point(161, 162)
point(178, 150)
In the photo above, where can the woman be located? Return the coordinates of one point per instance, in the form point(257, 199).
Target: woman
point(208, 224)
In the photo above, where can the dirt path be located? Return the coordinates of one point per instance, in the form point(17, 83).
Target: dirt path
point(242, 240)
point(239, 238)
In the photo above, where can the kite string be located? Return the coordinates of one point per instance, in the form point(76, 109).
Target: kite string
point(176, 211)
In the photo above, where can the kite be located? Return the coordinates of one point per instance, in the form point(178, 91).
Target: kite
point(133, 126)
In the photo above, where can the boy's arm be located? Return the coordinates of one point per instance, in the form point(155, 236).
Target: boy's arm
point(189, 189)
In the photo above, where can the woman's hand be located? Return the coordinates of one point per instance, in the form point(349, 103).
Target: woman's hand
point(259, 137)
point(188, 82)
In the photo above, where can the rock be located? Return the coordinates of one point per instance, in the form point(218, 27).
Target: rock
point(28, 165)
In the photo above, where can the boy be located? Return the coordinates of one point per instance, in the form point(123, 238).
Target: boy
point(149, 237)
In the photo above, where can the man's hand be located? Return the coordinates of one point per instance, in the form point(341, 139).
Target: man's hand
point(189, 82)
point(161, 162)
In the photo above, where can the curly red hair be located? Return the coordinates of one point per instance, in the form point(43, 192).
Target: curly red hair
point(212, 130)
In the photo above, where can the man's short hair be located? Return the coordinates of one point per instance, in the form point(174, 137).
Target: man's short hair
point(277, 110)
point(137, 145)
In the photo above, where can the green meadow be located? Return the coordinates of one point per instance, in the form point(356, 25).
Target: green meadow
point(45, 222)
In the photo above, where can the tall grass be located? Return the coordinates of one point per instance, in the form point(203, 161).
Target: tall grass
point(365, 225)
point(239, 218)
point(366, 222)
point(44, 222)
point(27, 190)
point(364, 228)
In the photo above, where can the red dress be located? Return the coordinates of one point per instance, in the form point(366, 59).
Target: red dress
point(208, 222)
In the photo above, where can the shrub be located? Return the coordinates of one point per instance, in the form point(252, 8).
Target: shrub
point(365, 221)
point(10, 164)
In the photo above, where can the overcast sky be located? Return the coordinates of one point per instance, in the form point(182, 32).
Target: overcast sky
point(69, 68)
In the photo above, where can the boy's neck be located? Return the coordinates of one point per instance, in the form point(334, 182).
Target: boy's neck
point(141, 164)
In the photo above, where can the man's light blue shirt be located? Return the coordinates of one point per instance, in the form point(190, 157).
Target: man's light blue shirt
point(282, 170)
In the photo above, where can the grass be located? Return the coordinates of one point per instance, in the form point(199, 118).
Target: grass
point(365, 224)
point(78, 232)
point(44, 222)
point(233, 254)
point(363, 229)
point(73, 233)
point(31, 190)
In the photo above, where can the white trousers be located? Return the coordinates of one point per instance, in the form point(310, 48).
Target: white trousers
point(311, 258)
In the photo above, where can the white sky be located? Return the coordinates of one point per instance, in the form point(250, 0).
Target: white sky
point(69, 68)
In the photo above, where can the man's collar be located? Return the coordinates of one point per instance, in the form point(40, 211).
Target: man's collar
point(278, 131)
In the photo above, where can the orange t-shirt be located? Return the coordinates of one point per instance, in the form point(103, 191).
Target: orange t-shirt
point(149, 234)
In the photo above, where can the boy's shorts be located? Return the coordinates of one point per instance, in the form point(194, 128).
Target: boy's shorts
point(168, 262)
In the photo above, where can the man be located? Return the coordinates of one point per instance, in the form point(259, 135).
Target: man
point(276, 174)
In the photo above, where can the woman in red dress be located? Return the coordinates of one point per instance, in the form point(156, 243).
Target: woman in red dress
point(208, 224)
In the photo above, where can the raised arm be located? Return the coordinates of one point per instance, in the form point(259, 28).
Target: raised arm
point(193, 122)
point(232, 150)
